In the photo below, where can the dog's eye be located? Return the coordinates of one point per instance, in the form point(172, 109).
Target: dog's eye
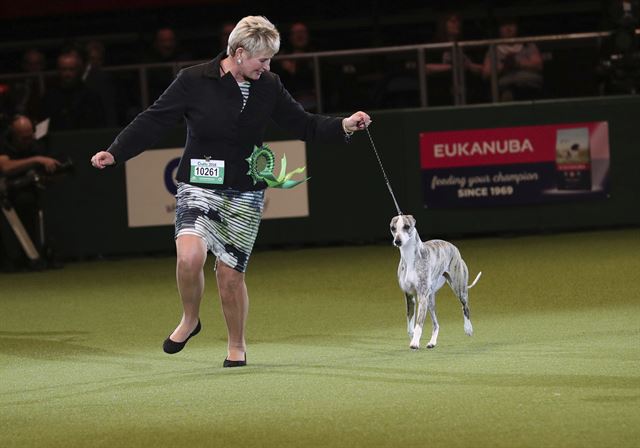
point(406, 227)
point(393, 228)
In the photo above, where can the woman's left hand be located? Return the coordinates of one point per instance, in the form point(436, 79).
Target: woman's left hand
point(356, 122)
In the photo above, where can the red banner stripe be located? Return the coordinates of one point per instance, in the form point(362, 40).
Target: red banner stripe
point(498, 146)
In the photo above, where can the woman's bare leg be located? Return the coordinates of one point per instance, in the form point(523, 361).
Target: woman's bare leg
point(235, 307)
point(192, 254)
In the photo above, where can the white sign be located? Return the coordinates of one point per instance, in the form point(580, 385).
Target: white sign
point(42, 129)
point(151, 186)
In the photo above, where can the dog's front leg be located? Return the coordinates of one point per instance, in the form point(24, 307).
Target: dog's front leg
point(434, 321)
point(420, 315)
point(411, 313)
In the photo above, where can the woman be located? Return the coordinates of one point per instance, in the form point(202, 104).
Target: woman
point(442, 73)
point(450, 30)
point(226, 104)
point(519, 66)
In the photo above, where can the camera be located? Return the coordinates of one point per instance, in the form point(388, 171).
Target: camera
point(21, 205)
point(619, 70)
point(36, 177)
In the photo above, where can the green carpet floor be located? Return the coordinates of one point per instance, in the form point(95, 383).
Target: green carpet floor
point(554, 362)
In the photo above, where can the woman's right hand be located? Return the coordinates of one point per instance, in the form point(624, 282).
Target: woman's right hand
point(102, 160)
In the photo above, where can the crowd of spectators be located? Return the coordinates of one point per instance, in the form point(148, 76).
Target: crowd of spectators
point(82, 94)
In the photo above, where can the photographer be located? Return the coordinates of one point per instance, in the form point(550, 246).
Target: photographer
point(20, 153)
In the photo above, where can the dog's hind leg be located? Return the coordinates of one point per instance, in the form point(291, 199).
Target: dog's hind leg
point(411, 313)
point(434, 321)
point(420, 316)
point(464, 300)
point(461, 290)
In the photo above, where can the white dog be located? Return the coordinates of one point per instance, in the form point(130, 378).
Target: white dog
point(424, 268)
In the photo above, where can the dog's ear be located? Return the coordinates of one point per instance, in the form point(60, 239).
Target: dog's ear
point(411, 219)
point(394, 220)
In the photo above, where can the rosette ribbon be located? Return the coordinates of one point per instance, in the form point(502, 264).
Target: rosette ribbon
point(266, 174)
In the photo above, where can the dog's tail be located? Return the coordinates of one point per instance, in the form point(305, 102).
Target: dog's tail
point(475, 281)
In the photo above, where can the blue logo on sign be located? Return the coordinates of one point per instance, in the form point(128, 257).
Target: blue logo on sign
point(169, 176)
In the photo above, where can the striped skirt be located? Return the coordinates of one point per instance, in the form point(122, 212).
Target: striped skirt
point(227, 220)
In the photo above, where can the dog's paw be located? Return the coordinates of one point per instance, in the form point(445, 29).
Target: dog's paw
point(430, 345)
point(413, 346)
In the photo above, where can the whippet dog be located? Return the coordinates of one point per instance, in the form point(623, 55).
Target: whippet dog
point(423, 270)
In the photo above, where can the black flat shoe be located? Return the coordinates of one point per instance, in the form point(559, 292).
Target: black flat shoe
point(228, 363)
point(172, 347)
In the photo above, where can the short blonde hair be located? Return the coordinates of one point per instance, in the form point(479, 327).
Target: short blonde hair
point(256, 35)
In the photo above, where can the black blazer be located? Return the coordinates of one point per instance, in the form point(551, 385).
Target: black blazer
point(211, 105)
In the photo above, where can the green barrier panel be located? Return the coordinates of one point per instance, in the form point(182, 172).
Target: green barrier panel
point(87, 214)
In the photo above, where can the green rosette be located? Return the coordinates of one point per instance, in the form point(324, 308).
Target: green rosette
point(264, 155)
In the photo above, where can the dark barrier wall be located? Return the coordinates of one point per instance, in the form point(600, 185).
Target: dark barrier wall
point(349, 201)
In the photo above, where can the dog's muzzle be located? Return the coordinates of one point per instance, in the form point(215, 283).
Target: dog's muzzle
point(397, 243)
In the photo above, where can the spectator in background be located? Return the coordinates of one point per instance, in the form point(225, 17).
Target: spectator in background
point(519, 66)
point(100, 81)
point(297, 74)
point(33, 61)
point(28, 92)
point(449, 29)
point(165, 48)
point(70, 104)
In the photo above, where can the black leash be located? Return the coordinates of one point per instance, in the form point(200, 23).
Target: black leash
point(386, 179)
